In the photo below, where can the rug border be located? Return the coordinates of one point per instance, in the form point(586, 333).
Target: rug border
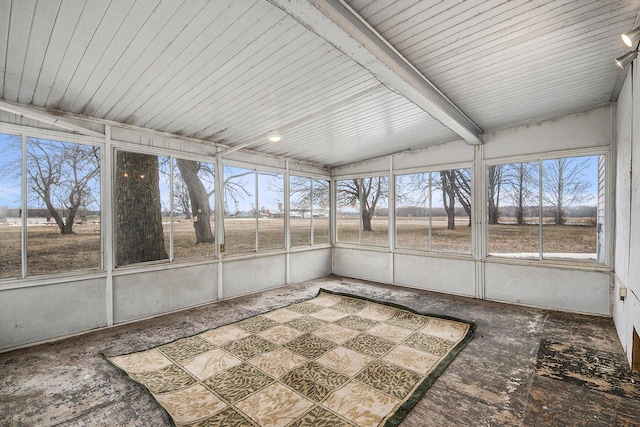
point(402, 411)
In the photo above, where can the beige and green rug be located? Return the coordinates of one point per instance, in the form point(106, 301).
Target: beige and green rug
point(334, 360)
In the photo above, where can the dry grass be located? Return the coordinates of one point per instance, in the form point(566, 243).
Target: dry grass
point(48, 251)
point(51, 252)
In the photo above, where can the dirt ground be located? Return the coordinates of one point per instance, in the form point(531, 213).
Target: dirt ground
point(51, 252)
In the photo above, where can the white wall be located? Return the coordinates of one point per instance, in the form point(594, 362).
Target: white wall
point(555, 288)
point(626, 314)
point(449, 275)
point(142, 293)
point(307, 265)
point(34, 313)
point(364, 263)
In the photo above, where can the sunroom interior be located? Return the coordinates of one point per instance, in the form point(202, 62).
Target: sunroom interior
point(162, 155)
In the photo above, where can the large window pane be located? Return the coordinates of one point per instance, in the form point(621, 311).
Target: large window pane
point(63, 206)
point(570, 207)
point(193, 209)
point(320, 211)
point(412, 211)
point(141, 205)
point(374, 212)
point(240, 210)
point(513, 210)
point(348, 211)
point(271, 201)
point(10, 206)
point(299, 212)
point(451, 208)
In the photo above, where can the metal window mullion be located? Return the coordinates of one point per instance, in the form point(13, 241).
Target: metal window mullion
point(256, 200)
point(24, 206)
point(171, 160)
point(311, 181)
point(107, 219)
point(391, 207)
point(541, 208)
point(286, 201)
point(218, 212)
point(429, 195)
point(360, 225)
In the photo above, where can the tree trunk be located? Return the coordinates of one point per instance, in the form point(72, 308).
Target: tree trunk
point(200, 209)
point(520, 207)
point(519, 216)
point(68, 225)
point(494, 194)
point(139, 232)
point(559, 215)
point(448, 198)
point(366, 219)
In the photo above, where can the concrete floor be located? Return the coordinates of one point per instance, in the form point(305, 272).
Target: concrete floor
point(493, 382)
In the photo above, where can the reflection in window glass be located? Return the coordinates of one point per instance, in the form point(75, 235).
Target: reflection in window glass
point(309, 210)
point(10, 206)
point(320, 211)
point(193, 208)
point(140, 208)
point(451, 211)
point(374, 211)
point(271, 202)
point(299, 211)
point(570, 207)
point(513, 210)
point(348, 211)
point(412, 211)
point(239, 210)
point(63, 206)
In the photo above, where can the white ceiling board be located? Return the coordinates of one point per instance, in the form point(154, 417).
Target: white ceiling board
point(20, 23)
point(336, 22)
point(506, 63)
point(233, 71)
point(44, 17)
point(161, 27)
point(169, 66)
point(367, 128)
point(230, 37)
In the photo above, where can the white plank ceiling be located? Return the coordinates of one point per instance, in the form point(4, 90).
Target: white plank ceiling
point(233, 72)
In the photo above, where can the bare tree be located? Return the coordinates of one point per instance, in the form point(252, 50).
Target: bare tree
point(413, 190)
point(455, 185)
point(235, 187)
point(368, 192)
point(564, 184)
point(63, 176)
point(181, 196)
point(495, 185)
point(300, 191)
point(321, 193)
point(447, 185)
point(520, 187)
point(462, 188)
point(190, 171)
point(305, 193)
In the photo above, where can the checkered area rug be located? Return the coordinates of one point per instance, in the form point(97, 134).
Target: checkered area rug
point(334, 360)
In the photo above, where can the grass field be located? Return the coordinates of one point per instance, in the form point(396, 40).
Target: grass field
point(51, 252)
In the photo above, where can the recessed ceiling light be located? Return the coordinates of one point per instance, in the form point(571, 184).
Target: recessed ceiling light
point(275, 137)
